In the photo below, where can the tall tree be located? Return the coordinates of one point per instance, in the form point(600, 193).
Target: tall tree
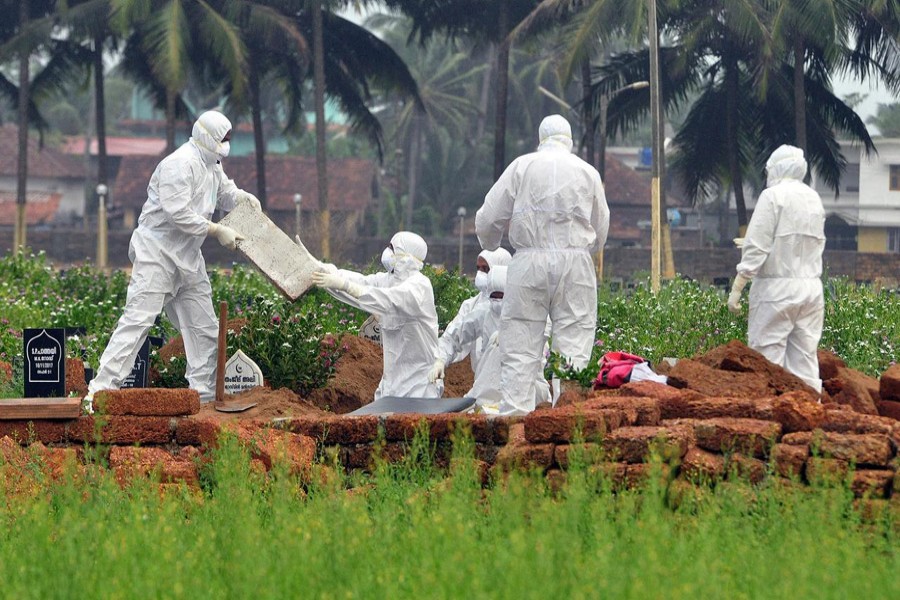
point(484, 22)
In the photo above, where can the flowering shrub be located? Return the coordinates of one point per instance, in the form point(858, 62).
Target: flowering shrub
point(289, 343)
point(168, 374)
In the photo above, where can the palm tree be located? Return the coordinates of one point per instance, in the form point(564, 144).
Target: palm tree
point(484, 22)
point(424, 130)
point(169, 38)
point(19, 43)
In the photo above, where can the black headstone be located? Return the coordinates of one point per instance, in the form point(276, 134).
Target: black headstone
point(45, 362)
point(140, 372)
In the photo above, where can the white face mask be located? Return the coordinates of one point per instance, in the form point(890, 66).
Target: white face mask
point(481, 280)
point(496, 305)
point(387, 259)
point(223, 149)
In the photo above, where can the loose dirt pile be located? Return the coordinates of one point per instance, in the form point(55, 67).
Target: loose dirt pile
point(353, 385)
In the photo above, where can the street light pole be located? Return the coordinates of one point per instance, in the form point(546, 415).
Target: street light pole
point(102, 253)
point(298, 198)
point(461, 213)
point(655, 121)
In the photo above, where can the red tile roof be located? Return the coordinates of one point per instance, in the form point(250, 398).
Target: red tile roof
point(349, 180)
point(46, 162)
point(117, 146)
point(625, 186)
point(40, 207)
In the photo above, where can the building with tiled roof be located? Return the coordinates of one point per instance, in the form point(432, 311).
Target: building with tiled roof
point(350, 187)
point(628, 196)
point(55, 181)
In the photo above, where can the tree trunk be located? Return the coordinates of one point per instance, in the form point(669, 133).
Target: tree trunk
point(731, 126)
point(799, 94)
point(100, 108)
point(170, 120)
point(587, 110)
point(321, 156)
point(413, 173)
point(484, 96)
point(259, 142)
point(502, 91)
point(22, 173)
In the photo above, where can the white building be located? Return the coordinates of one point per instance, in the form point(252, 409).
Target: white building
point(865, 215)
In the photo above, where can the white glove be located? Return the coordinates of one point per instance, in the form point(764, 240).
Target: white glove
point(336, 282)
point(437, 371)
point(227, 236)
point(253, 200)
point(734, 298)
point(494, 340)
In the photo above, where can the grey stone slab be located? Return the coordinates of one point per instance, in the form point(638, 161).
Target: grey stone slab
point(288, 266)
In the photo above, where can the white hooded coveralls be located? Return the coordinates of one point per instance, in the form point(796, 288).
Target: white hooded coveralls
point(478, 325)
point(168, 268)
point(782, 254)
point(555, 207)
point(403, 301)
point(450, 350)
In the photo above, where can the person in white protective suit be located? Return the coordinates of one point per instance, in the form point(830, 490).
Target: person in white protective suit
point(481, 324)
point(555, 207)
point(782, 255)
point(448, 344)
point(403, 301)
point(168, 268)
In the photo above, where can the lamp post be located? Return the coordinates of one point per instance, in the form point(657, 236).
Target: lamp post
point(101, 190)
point(656, 171)
point(298, 198)
point(461, 213)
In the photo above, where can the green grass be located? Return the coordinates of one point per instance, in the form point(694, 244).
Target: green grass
point(409, 532)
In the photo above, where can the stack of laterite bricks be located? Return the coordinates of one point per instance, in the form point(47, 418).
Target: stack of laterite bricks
point(147, 430)
point(700, 438)
point(709, 438)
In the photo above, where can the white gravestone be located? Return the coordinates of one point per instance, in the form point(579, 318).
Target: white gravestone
point(371, 329)
point(241, 374)
point(288, 266)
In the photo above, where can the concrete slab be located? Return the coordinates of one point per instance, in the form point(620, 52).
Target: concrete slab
point(288, 266)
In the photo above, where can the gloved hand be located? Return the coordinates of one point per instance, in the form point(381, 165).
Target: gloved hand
point(227, 236)
point(320, 266)
point(494, 340)
point(734, 298)
point(253, 200)
point(336, 282)
point(437, 371)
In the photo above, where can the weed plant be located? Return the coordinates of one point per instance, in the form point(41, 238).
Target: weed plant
point(409, 530)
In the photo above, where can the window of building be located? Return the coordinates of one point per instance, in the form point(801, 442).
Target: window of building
point(895, 178)
point(850, 178)
point(894, 240)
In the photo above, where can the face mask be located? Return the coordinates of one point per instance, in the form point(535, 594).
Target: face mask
point(496, 305)
point(224, 149)
point(481, 280)
point(387, 259)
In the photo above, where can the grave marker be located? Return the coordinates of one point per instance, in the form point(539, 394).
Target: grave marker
point(371, 330)
point(287, 265)
point(241, 374)
point(45, 362)
point(140, 372)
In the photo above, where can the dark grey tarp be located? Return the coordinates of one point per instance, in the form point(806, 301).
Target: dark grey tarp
point(425, 406)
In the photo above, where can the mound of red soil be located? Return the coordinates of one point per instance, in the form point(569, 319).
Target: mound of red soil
point(359, 370)
point(356, 377)
point(175, 346)
point(271, 404)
